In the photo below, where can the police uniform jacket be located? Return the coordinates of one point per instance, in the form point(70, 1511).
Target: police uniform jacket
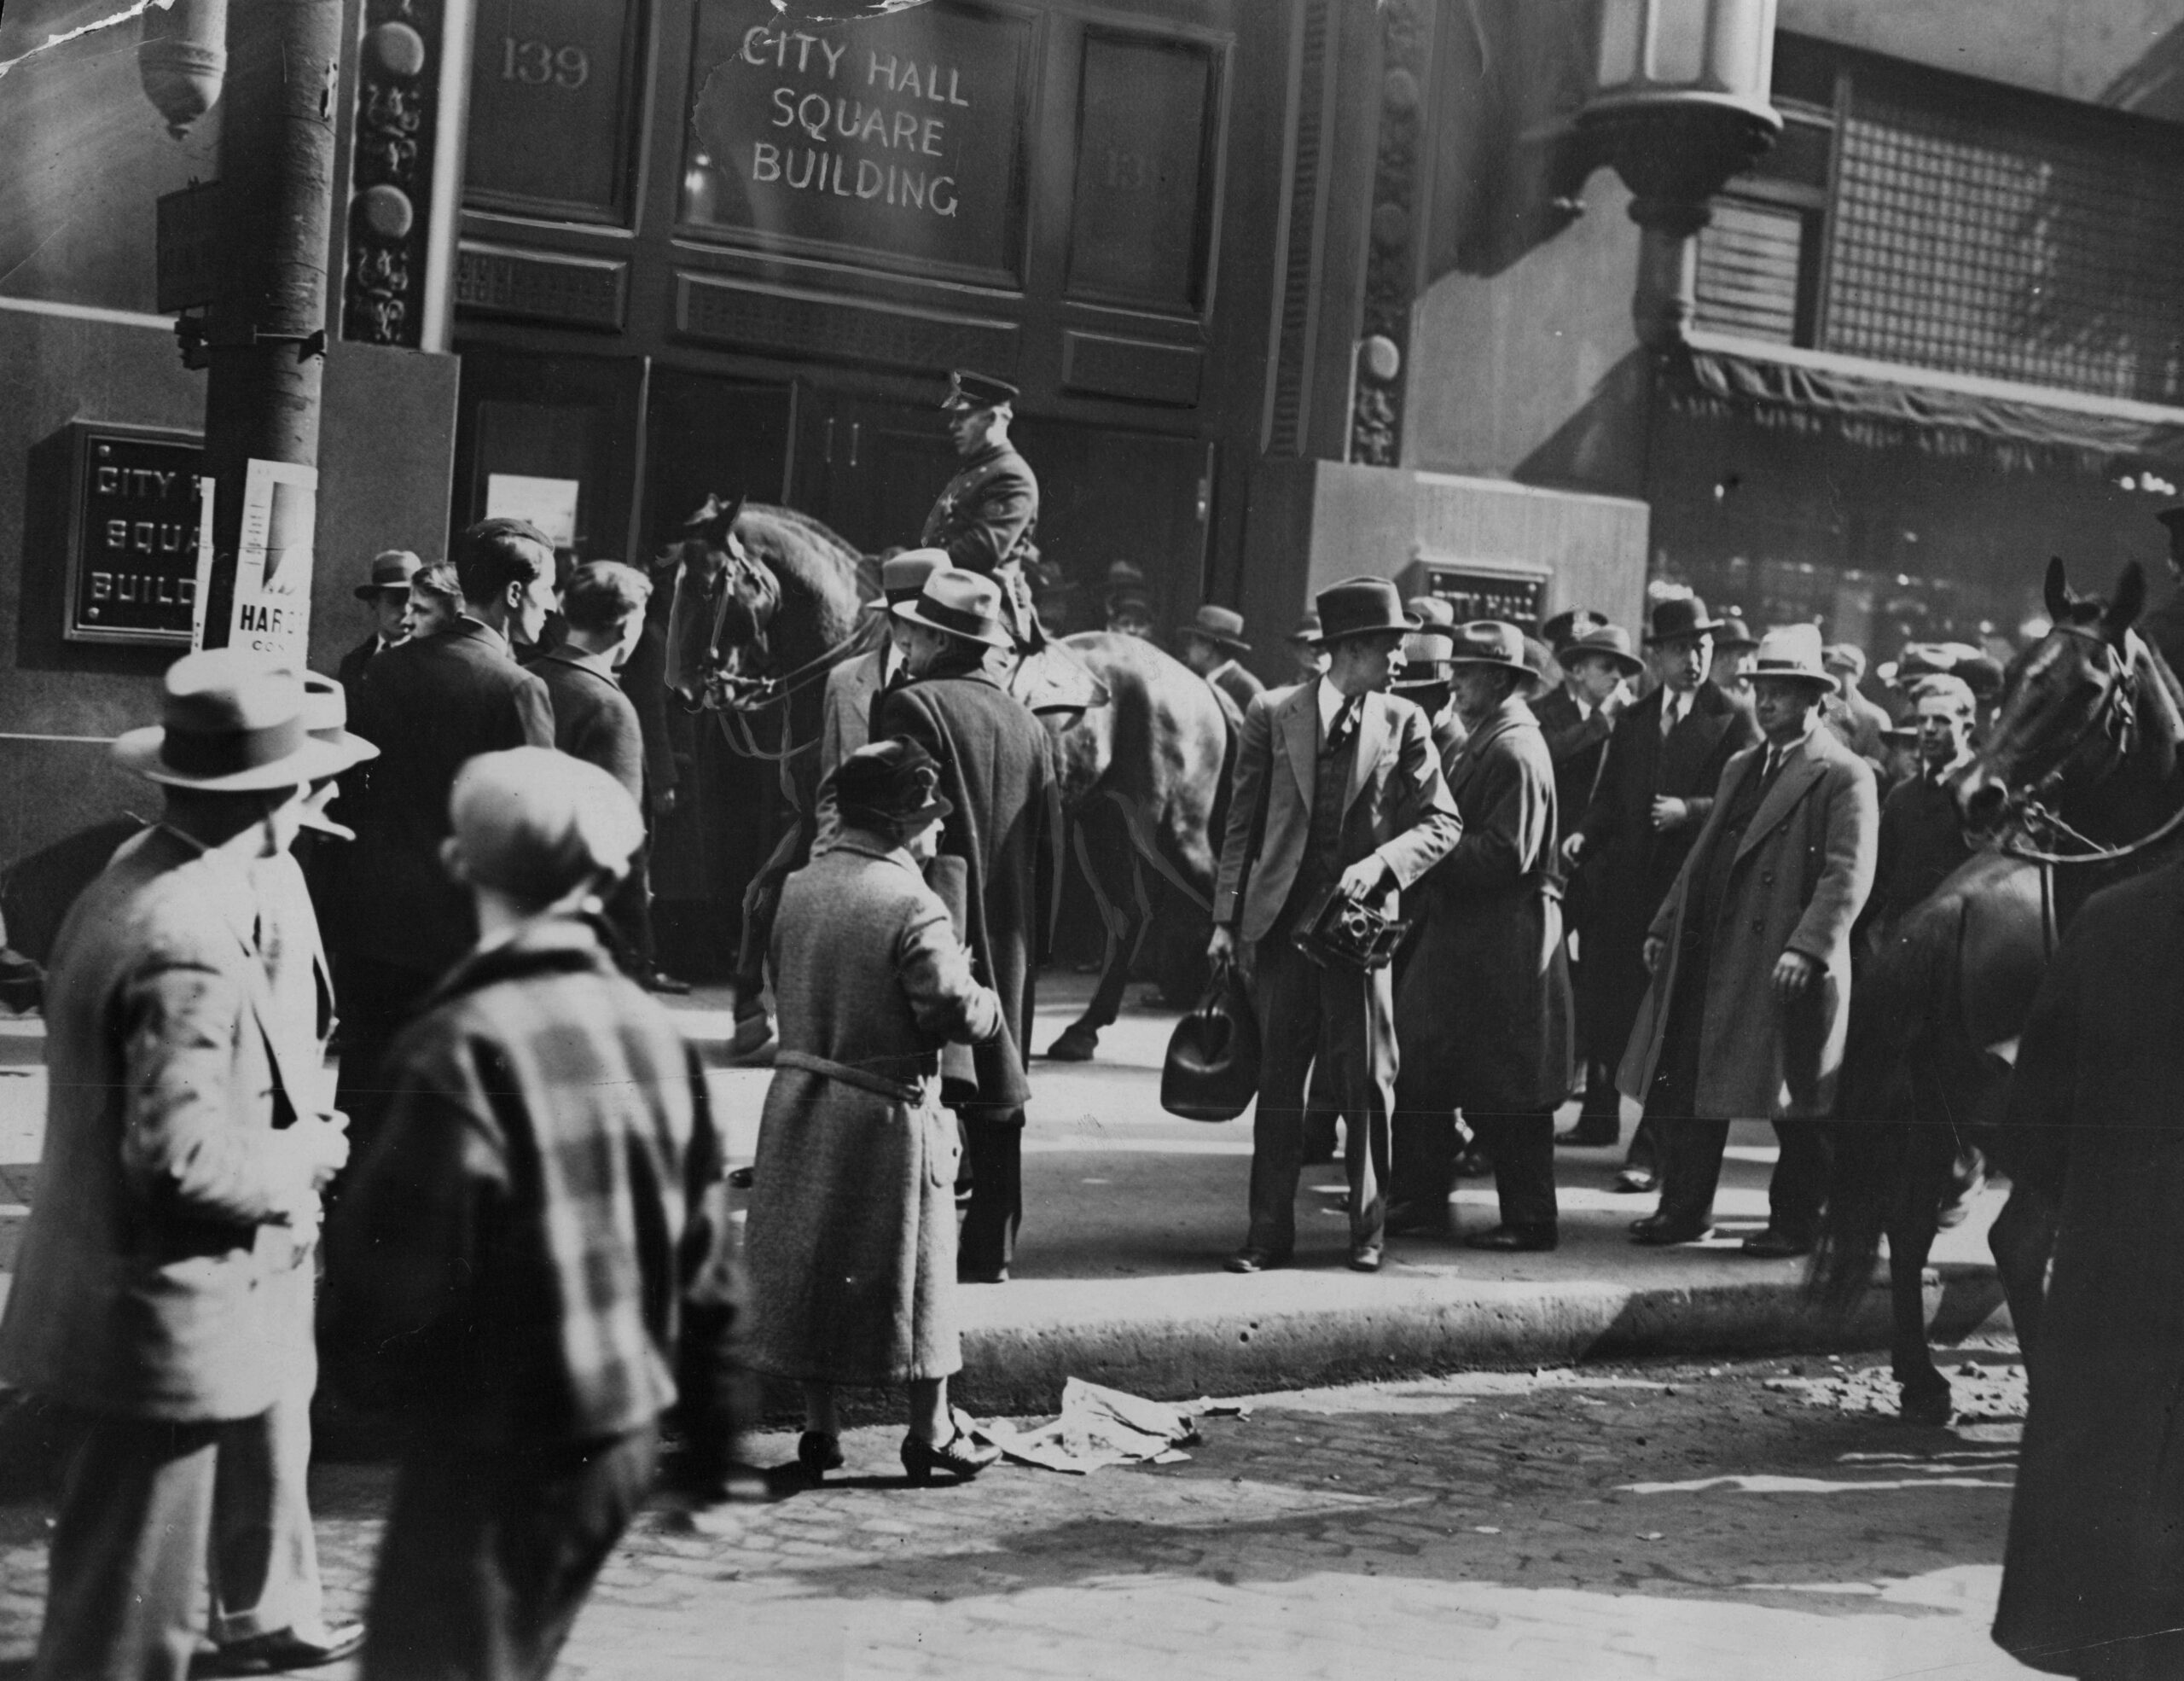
point(1798, 875)
point(987, 512)
point(997, 768)
point(1483, 1007)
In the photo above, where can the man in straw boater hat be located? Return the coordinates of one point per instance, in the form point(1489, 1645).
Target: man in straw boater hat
point(1483, 1012)
point(163, 1288)
point(1750, 955)
point(1665, 758)
point(1209, 645)
point(386, 592)
point(996, 769)
point(529, 1258)
point(1338, 789)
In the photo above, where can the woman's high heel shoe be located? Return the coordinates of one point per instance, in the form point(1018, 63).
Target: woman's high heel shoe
point(958, 1455)
point(818, 1453)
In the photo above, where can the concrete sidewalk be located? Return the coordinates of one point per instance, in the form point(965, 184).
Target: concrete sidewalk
point(1129, 1213)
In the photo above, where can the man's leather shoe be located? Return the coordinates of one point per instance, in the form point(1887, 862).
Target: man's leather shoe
point(1365, 1257)
point(1249, 1259)
point(1591, 1134)
point(1420, 1219)
point(1773, 1245)
point(1515, 1240)
point(1658, 1230)
point(1637, 1181)
point(288, 1648)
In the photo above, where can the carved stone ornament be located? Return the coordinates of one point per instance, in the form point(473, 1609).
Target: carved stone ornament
point(397, 91)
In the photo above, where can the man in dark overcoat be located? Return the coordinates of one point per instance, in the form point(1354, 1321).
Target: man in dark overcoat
point(1750, 961)
point(2093, 1576)
point(386, 592)
point(1483, 1009)
point(1576, 718)
point(603, 605)
point(1921, 830)
point(1337, 789)
point(429, 706)
point(997, 773)
point(1664, 761)
point(1209, 645)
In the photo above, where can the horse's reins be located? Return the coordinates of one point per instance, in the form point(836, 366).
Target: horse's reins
point(743, 697)
point(2116, 714)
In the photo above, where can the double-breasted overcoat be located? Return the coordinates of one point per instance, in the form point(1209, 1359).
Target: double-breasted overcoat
point(850, 1242)
point(1482, 1008)
point(1628, 866)
point(1801, 874)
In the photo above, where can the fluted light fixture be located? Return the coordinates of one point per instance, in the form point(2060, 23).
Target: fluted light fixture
point(1679, 107)
point(182, 59)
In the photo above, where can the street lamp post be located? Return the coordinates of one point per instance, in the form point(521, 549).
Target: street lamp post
point(1681, 106)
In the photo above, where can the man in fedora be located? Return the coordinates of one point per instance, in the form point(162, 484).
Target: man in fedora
point(1336, 788)
point(387, 594)
point(1483, 1007)
point(1735, 649)
point(1576, 718)
point(1749, 957)
point(996, 762)
point(163, 1293)
point(1860, 722)
point(1665, 758)
point(1209, 644)
point(853, 685)
point(987, 513)
point(430, 705)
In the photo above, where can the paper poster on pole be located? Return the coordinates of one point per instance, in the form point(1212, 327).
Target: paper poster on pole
point(273, 561)
point(201, 599)
point(550, 505)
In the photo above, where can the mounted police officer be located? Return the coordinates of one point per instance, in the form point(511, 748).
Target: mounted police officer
point(986, 516)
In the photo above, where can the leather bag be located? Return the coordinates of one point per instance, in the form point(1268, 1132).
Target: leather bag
point(1211, 1071)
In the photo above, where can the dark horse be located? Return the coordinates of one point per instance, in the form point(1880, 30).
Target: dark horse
point(2073, 789)
point(767, 601)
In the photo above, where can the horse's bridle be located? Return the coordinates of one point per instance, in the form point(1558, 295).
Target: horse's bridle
point(2115, 715)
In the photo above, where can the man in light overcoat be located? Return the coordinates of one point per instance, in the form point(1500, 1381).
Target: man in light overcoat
point(1336, 788)
point(1750, 960)
point(163, 1293)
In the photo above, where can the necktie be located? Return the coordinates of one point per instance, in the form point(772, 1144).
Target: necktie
point(1344, 725)
point(1670, 702)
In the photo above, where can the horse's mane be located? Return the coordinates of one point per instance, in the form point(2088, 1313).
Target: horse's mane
point(810, 544)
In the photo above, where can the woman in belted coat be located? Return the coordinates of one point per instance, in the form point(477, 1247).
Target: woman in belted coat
point(1483, 1007)
point(850, 1242)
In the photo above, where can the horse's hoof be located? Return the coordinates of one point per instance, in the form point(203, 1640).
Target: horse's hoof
point(1926, 1406)
point(1075, 1045)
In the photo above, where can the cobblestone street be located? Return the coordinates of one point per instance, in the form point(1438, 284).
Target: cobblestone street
point(1683, 1522)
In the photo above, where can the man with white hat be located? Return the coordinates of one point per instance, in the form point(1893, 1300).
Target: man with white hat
point(1750, 955)
point(523, 1246)
point(163, 1292)
point(997, 767)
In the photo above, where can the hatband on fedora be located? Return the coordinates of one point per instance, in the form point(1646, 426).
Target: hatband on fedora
point(1425, 656)
point(892, 782)
point(1308, 628)
point(1361, 606)
point(903, 576)
point(391, 569)
point(1223, 626)
point(229, 724)
point(1566, 628)
point(1610, 642)
point(1678, 617)
point(1734, 633)
point(1793, 651)
point(960, 603)
point(1489, 642)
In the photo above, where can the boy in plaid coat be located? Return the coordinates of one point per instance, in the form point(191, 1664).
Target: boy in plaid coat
point(525, 1235)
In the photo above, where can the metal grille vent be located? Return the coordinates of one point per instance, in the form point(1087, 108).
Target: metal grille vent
point(1749, 264)
point(2020, 243)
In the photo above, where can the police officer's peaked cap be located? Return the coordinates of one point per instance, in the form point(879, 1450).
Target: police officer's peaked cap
point(967, 390)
